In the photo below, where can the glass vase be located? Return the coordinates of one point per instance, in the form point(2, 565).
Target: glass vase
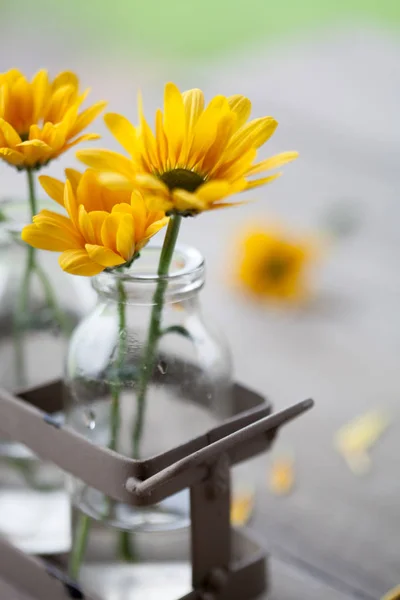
point(188, 387)
point(39, 307)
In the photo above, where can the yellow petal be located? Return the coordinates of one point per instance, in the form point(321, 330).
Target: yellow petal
point(241, 106)
point(155, 227)
point(97, 218)
point(257, 182)
point(184, 200)
point(123, 131)
point(60, 221)
point(65, 78)
point(161, 142)
point(150, 182)
point(282, 476)
point(41, 89)
point(53, 188)
point(206, 128)
point(77, 262)
point(86, 117)
point(126, 237)
point(109, 231)
point(71, 204)
point(213, 190)
point(104, 256)
point(106, 160)
point(87, 137)
point(12, 157)
point(138, 209)
point(48, 237)
point(272, 163)
point(74, 177)
point(11, 137)
point(148, 142)
point(359, 435)
point(251, 135)
point(174, 121)
point(85, 226)
point(241, 509)
point(193, 101)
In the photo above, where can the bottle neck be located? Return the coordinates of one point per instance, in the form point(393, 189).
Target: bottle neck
point(138, 283)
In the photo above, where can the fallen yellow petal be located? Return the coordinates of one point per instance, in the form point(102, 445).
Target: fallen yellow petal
point(281, 480)
point(393, 594)
point(241, 509)
point(359, 435)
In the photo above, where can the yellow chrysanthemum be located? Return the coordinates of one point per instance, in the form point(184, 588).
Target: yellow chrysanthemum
point(197, 156)
point(39, 120)
point(273, 264)
point(106, 224)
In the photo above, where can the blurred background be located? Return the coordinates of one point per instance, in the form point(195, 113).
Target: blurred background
point(329, 72)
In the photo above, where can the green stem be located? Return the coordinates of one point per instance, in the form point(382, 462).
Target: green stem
point(79, 545)
point(154, 328)
point(32, 195)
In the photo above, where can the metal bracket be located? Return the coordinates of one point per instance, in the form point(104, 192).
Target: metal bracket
point(226, 564)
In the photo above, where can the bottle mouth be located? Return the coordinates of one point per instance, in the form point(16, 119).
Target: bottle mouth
point(186, 274)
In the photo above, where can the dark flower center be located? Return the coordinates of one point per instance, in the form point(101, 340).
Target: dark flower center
point(182, 179)
point(277, 267)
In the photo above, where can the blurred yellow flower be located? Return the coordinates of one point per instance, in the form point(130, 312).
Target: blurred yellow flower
point(105, 227)
point(273, 264)
point(39, 120)
point(197, 156)
point(393, 594)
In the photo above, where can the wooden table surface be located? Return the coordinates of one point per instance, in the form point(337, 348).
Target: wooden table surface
point(337, 535)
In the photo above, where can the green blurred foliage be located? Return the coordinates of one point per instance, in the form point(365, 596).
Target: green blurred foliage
point(191, 28)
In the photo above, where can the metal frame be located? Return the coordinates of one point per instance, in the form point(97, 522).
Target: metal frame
point(226, 565)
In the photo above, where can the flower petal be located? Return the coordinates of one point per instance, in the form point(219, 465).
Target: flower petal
point(77, 262)
point(184, 200)
point(48, 236)
point(193, 101)
point(213, 190)
point(74, 177)
point(104, 256)
point(174, 121)
point(241, 106)
point(71, 204)
point(126, 237)
point(106, 160)
point(13, 157)
point(123, 131)
point(53, 188)
point(272, 163)
point(258, 182)
point(85, 225)
point(86, 117)
point(109, 231)
point(11, 137)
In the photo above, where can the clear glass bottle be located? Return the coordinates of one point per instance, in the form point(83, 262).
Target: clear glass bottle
point(39, 307)
point(189, 388)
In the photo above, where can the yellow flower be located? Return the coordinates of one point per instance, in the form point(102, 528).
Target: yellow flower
point(197, 156)
point(39, 120)
point(106, 226)
point(273, 264)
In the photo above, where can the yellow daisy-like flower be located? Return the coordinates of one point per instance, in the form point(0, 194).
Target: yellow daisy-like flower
point(273, 264)
point(106, 226)
point(197, 156)
point(39, 120)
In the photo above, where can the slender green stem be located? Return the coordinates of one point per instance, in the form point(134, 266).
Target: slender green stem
point(147, 365)
point(32, 195)
point(79, 545)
